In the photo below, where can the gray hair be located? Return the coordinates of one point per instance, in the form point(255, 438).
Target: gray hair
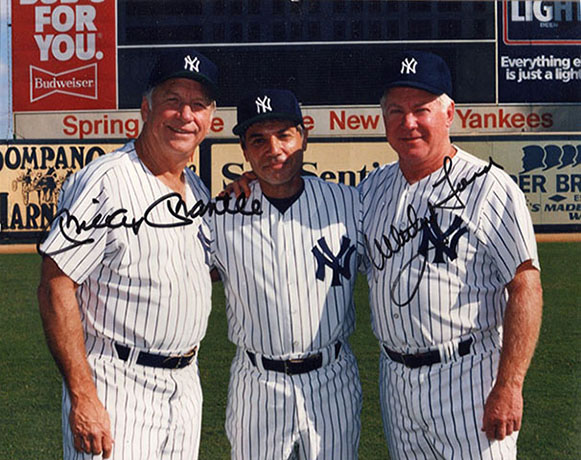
point(444, 100)
point(148, 95)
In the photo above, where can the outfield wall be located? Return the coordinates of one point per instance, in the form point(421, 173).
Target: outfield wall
point(547, 169)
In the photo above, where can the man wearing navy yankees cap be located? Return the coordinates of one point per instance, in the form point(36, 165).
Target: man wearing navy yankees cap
point(124, 298)
point(454, 280)
point(289, 274)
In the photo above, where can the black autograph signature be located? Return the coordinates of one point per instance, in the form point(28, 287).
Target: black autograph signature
point(179, 215)
point(396, 238)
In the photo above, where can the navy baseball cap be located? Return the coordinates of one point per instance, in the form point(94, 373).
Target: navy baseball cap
point(420, 69)
point(185, 63)
point(267, 104)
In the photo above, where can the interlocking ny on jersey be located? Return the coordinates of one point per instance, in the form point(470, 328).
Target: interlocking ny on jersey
point(339, 263)
point(432, 228)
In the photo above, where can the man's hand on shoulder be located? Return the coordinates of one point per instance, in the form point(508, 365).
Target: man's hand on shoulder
point(240, 185)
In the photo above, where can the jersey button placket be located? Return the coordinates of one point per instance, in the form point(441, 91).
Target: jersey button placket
point(285, 320)
point(291, 232)
point(399, 216)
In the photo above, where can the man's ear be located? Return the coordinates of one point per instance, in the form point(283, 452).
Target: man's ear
point(305, 138)
point(450, 112)
point(243, 147)
point(145, 109)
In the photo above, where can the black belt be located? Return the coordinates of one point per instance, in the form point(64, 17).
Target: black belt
point(427, 358)
point(155, 360)
point(294, 366)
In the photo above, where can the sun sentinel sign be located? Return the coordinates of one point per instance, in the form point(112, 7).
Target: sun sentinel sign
point(64, 55)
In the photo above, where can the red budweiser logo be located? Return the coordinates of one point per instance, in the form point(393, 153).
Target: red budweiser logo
point(81, 82)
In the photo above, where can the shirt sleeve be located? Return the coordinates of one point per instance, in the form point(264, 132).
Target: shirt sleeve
point(506, 228)
point(363, 265)
point(77, 239)
point(205, 235)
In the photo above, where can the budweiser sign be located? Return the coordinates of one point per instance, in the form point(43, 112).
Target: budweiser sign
point(64, 55)
point(81, 82)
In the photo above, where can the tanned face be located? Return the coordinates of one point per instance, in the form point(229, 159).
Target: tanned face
point(179, 117)
point(417, 125)
point(275, 149)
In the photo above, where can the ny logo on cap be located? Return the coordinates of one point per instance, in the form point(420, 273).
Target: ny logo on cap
point(408, 65)
point(263, 105)
point(193, 65)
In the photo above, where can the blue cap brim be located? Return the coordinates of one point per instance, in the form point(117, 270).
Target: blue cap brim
point(419, 85)
point(241, 128)
point(209, 84)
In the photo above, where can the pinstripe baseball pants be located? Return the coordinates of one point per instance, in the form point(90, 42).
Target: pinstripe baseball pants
point(155, 413)
point(435, 412)
point(315, 415)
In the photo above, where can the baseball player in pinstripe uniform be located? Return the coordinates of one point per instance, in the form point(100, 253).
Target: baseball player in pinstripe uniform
point(125, 290)
point(454, 280)
point(289, 274)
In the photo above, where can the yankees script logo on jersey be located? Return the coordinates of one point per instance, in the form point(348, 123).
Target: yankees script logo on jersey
point(442, 242)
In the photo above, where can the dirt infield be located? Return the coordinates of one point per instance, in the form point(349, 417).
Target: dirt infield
point(541, 238)
point(558, 237)
point(17, 248)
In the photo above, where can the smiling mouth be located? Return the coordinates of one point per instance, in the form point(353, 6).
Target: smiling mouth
point(181, 131)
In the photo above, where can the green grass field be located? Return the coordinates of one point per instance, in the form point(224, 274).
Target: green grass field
point(30, 384)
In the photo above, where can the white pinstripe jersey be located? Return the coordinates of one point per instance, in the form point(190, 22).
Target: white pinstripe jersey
point(282, 299)
point(468, 254)
point(149, 290)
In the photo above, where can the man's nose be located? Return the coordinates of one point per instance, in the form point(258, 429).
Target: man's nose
point(186, 113)
point(409, 120)
point(274, 146)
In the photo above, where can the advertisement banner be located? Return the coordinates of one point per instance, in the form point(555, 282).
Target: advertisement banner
point(346, 121)
point(353, 162)
point(547, 171)
point(64, 55)
point(529, 22)
point(31, 176)
point(539, 58)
